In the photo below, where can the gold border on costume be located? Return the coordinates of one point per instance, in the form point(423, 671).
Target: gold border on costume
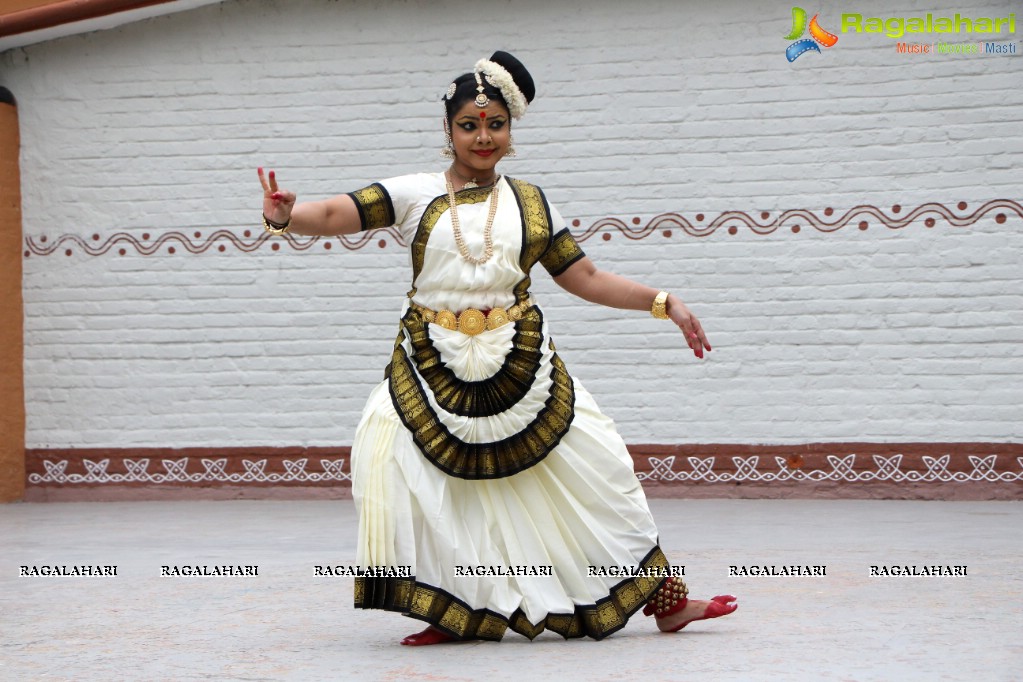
point(536, 228)
point(563, 252)
point(476, 461)
point(489, 396)
point(522, 450)
point(433, 212)
point(375, 206)
point(538, 239)
point(453, 616)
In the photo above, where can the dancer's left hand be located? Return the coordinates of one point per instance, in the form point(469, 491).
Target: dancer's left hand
point(691, 328)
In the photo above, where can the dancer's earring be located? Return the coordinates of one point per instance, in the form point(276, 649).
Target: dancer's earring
point(511, 147)
point(449, 147)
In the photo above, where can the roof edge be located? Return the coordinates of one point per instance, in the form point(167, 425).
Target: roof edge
point(71, 17)
point(65, 12)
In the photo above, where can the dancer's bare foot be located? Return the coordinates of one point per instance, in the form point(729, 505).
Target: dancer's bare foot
point(697, 609)
point(430, 635)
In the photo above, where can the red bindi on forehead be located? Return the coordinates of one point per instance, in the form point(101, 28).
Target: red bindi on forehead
point(483, 114)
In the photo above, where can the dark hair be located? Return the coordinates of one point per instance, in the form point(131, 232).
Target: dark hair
point(465, 91)
point(465, 85)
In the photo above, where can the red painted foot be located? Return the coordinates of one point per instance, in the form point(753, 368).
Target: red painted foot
point(430, 635)
point(718, 606)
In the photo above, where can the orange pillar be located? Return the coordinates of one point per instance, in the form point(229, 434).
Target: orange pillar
point(12, 308)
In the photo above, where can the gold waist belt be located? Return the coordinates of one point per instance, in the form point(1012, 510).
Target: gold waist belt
point(472, 321)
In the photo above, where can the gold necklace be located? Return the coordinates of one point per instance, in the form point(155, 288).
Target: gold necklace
point(488, 229)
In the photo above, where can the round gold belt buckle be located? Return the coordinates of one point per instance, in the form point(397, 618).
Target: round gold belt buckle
point(446, 319)
point(496, 318)
point(472, 322)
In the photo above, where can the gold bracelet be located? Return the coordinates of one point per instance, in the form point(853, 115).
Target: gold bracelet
point(275, 228)
point(660, 307)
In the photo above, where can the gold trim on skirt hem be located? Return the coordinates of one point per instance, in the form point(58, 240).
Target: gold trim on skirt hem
point(458, 619)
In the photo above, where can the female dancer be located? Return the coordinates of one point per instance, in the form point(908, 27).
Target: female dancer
point(480, 463)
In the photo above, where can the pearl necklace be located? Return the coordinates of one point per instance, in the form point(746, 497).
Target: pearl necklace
point(488, 230)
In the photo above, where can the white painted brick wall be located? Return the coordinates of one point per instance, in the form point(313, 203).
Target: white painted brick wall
point(644, 108)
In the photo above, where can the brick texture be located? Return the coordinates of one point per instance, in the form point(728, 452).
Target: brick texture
point(880, 334)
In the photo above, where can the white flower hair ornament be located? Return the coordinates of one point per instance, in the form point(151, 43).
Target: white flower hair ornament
point(499, 77)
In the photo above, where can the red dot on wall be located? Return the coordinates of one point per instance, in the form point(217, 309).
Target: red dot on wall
point(68, 252)
point(962, 205)
point(121, 252)
point(765, 215)
point(382, 243)
point(1000, 218)
point(636, 221)
point(171, 249)
point(606, 236)
point(43, 239)
point(896, 208)
point(733, 230)
point(667, 233)
point(795, 229)
point(829, 211)
point(198, 234)
point(327, 245)
point(145, 235)
point(247, 233)
point(929, 222)
point(699, 217)
point(220, 248)
point(276, 246)
point(27, 254)
point(95, 237)
point(863, 225)
point(576, 223)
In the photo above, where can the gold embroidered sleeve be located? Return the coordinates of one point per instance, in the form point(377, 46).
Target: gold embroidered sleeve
point(562, 253)
point(375, 206)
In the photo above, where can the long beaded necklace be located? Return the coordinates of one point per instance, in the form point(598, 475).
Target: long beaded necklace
point(488, 229)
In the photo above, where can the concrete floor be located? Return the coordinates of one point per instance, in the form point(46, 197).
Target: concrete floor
point(287, 624)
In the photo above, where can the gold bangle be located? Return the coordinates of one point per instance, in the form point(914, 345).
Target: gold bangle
point(660, 307)
point(275, 228)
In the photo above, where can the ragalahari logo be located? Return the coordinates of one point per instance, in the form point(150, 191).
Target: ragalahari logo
point(818, 35)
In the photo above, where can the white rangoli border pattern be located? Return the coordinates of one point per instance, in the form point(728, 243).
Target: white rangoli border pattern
point(175, 471)
point(888, 469)
point(747, 470)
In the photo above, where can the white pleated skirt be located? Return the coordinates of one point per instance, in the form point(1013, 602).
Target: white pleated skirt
point(581, 506)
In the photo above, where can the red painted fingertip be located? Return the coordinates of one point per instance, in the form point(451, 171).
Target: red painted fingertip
point(276, 196)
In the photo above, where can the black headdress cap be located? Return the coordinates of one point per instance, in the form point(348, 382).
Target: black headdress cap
point(518, 72)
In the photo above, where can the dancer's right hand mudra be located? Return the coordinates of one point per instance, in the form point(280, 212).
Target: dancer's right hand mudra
point(325, 218)
point(277, 202)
